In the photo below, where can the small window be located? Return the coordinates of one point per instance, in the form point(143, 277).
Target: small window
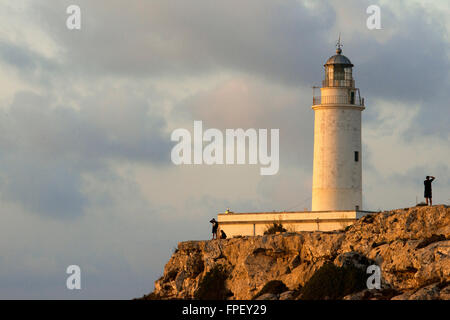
point(356, 156)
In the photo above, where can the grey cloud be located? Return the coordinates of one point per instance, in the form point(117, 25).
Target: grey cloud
point(51, 188)
point(283, 42)
point(249, 103)
point(409, 68)
point(30, 65)
point(23, 58)
point(274, 39)
point(47, 149)
point(109, 124)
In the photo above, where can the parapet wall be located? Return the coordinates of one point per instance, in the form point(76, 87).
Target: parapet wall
point(255, 223)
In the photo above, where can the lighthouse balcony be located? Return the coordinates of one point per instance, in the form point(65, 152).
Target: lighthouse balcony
point(338, 83)
point(352, 100)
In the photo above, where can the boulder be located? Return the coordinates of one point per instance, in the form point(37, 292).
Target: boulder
point(267, 296)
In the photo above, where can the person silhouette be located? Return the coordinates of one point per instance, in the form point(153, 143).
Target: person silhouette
point(215, 225)
point(427, 192)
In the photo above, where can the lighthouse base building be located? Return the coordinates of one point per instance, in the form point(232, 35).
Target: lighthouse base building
point(337, 169)
point(255, 223)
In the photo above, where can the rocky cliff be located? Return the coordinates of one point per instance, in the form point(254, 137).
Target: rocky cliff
point(411, 246)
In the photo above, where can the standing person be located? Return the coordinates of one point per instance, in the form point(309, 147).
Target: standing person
point(215, 225)
point(427, 193)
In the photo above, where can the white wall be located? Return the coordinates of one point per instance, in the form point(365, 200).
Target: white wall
point(249, 224)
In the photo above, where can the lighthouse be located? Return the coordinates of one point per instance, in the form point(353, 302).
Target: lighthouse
point(337, 171)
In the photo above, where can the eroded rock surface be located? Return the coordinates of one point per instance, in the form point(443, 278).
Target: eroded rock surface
point(411, 246)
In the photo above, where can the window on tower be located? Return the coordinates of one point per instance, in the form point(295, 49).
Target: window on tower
point(339, 73)
point(356, 156)
point(348, 73)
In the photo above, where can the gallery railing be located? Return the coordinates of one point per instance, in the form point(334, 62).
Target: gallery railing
point(338, 83)
point(357, 101)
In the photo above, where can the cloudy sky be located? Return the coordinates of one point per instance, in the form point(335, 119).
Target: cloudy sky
point(86, 117)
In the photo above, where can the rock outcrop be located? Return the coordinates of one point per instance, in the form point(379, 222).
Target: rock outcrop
point(411, 246)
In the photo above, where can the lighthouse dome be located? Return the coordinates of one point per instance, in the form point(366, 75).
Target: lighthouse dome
point(340, 59)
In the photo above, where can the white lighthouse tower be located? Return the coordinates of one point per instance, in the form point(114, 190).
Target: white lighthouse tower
point(337, 176)
point(336, 192)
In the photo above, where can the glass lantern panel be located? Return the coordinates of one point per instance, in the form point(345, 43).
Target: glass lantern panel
point(339, 73)
point(348, 74)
